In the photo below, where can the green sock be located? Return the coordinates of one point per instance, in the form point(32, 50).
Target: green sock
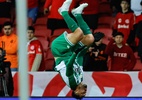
point(72, 25)
point(83, 25)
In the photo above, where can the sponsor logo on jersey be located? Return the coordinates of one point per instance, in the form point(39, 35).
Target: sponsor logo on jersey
point(123, 26)
point(127, 21)
point(68, 46)
point(39, 50)
point(32, 47)
point(123, 55)
point(31, 52)
point(119, 20)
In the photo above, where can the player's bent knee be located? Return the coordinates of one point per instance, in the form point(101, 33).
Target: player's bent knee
point(90, 39)
point(79, 33)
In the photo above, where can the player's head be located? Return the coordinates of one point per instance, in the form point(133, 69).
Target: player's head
point(125, 4)
point(7, 28)
point(80, 91)
point(30, 33)
point(98, 37)
point(118, 37)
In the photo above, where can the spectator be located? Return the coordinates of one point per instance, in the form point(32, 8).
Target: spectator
point(95, 59)
point(33, 9)
point(124, 22)
point(115, 6)
point(35, 52)
point(51, 8)
point(6, 89)
point(90, 13)
point(136, 6)
point(122, 56)
point(10, 41)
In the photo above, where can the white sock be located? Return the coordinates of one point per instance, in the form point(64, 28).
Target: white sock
point(65, 6)
point(79, 9)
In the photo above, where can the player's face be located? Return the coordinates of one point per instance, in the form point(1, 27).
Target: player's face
point(81, 90)
point(99, 42)
point(118, 39)
point(124, 5)
point(7, 30)
point(30, 34)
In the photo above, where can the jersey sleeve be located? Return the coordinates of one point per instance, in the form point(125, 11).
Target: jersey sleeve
point(38, 48)
point(47, 3)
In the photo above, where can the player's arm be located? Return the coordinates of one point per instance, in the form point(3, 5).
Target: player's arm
point(47, 6)
point(69, 65)
point(36, 62)
point(38, 58)
point(71, 61)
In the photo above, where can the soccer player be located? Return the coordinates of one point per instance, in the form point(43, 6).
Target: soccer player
point(69, 48)
point(35, 52)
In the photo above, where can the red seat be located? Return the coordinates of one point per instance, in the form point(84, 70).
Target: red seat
point(58, 32)
point(3, 20)
point(104, 1)
point(105, 9)
point(107, 32)
point(45, 33)
point(49, 61)
point(52, 38)
point(49, 64)
point(40, 27)
point(29, 22)
point(138, 66)
point(45, 43)
point(106, 22)
point(41, 21)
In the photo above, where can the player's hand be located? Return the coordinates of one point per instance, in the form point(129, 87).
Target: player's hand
point(96, 53)
point(90, 49)
point(45, 11)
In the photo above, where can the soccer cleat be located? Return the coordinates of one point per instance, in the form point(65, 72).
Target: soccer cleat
point(65, 6)
point(79, 9)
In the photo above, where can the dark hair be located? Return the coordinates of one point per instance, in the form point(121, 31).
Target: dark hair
point(98, 36)
point(118, 33)
point(128, 1)
point(31, 28)
point(8, 23)
point(76, 96)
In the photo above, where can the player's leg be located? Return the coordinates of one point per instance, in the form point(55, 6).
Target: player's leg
point(77, 33)
point(88, 37)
